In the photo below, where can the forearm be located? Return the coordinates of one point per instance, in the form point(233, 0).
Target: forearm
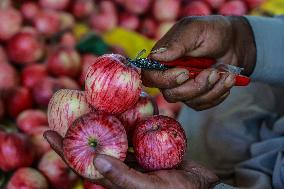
point(269, 40)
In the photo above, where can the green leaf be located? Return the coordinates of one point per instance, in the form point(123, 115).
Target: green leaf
point(92, 43)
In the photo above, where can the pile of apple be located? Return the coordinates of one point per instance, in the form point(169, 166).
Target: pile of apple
point(38, 61)
point(110, 115)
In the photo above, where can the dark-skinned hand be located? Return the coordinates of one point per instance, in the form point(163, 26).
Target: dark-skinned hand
point(227, 39)
point(118, 175)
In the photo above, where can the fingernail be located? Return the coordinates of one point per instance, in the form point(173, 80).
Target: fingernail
point(160, 50)
point(102, 165)
point(213, 77)
point(181, 78)
point(230, 80)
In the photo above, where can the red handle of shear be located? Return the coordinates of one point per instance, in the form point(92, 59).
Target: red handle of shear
point(195, 66)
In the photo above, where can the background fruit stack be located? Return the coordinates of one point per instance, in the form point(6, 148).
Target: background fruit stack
point(38, 56)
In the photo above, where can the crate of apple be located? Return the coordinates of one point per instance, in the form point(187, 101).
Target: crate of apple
point(110, 115)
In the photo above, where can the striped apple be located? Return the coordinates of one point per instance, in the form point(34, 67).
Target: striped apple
point(159, 143)
point(27, 178)
point(64, 107)
point(143, 109)
point(90, 135)
point(112, 85)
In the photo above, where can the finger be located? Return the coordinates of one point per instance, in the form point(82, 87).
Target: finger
point(209, 105)
point(55, 140)
point(193, 167)
point(164, 79)
point(222, 87)
point(105, 183)
point(194, 87)
point(119, 174)
point(168, 50)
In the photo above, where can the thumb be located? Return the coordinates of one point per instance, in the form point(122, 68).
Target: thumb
point(120, 174)
point(55, 141)
point(167, 51)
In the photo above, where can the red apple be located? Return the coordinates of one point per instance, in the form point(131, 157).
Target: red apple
point(112, 85)
point(41, 146)
point(196, 8)
point(215, 4)
point(68, 40)
point(29, 10)
point(5, 4)
point(64, 62)
point(64, 107)
point(148, 27)
point(3, 56)
point(117, 49)
point(137, 6)
point(119, 1)
point(166, 10)
point(27, 178)
point(159, 143)
point(8, 78)
point(234, 7)
point(89, 185)
point(107, 11)
point(82, 8)
point(56, 171)
point(54, 4)
point(47, 22)
point(143, 109)
point(67, 21)
point(163, 29)
point(10, 24)
point(254, 3)
point(15, 151)
point(92, 134)
point(68, 83)
point(164, 105)
point(25, 47)
point(29, 120)
point(19, 100)
point(2, 108)
point(32, 74)
point(86, 61)
point(43, 91)
point(128, 21)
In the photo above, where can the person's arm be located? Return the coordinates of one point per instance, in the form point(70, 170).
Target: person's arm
point(269, 40)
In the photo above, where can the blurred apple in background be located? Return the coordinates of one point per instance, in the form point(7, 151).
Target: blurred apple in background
point(11, 21)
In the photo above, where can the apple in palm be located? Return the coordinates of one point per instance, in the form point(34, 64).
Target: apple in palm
point(64, 107)
point(90, 135)
point(143, 109)
point(112, 85)
point(159, 143)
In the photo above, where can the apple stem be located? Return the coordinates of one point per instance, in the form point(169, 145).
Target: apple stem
point(93, 143)
point(155, 127)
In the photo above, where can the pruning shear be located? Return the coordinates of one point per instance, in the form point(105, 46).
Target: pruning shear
point(193, 65)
